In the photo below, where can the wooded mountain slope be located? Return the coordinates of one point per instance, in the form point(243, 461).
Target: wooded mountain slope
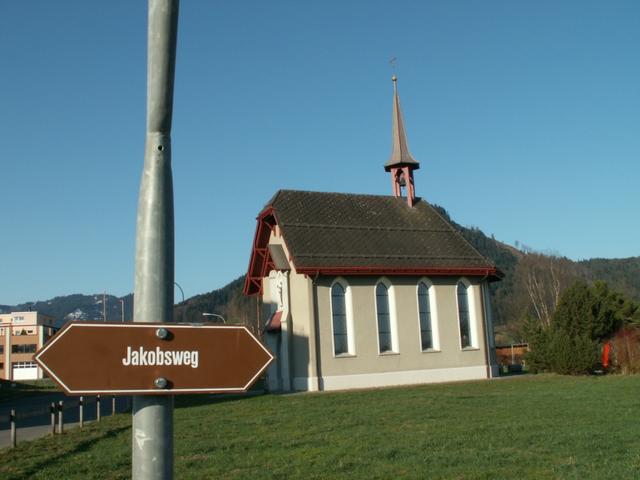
point(532, 283)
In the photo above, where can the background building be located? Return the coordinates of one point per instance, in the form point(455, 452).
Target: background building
point(21, 335)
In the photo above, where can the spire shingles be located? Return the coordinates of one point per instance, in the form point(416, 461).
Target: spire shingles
point(400, 155)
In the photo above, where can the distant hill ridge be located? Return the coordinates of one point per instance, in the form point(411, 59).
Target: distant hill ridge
point(78, 307)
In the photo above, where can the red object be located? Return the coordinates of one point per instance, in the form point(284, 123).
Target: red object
point(605, 354)
point(275, 322)
point(374, 270)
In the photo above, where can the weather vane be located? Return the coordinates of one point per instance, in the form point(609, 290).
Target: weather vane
point(393, 65)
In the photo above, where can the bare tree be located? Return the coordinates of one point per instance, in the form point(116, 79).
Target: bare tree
point(544, 277)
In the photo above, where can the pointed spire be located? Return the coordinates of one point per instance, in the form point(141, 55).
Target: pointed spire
point(401, 164)
point(400, 155)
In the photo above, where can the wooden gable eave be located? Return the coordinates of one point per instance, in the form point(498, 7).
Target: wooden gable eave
point(260, 262)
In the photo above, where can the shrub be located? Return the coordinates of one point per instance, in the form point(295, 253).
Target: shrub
point(538, 338)
point(554, 350)
point(572, 355)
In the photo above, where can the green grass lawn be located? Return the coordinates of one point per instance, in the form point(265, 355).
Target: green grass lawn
point(528, 427)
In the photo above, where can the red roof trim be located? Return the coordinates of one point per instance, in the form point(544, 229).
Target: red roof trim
point(434, 271)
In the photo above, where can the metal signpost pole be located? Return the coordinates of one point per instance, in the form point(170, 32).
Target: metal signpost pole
point(152, 433)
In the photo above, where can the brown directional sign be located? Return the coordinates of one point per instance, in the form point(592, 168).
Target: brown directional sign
point(153, 358)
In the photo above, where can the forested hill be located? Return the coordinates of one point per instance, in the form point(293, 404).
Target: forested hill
point(529, 275)
point(502, 255)
point(227, 301)
point(622, 274)
point(513, 297)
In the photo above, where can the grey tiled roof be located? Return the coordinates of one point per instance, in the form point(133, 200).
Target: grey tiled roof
point(336, 230)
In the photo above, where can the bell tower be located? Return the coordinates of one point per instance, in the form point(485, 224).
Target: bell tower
point(401, 164)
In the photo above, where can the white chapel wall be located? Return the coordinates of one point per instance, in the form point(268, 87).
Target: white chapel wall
point(410, 363)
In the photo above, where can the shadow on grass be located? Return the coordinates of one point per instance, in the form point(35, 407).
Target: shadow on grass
point(186, 401)
point(79, 448)
point(519, 373)
point(10, 391)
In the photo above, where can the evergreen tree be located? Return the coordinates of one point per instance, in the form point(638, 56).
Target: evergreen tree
point(584, 318)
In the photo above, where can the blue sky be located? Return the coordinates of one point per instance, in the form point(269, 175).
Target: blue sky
point(524, 116)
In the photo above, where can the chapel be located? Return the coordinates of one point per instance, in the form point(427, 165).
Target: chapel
point(370, 290)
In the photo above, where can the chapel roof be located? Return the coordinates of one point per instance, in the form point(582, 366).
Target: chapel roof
point(354, 234)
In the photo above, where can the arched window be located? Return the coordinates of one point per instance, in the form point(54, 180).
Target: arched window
point(339, 317)
point(385, 339)
point(463, 316)
point(424, 312)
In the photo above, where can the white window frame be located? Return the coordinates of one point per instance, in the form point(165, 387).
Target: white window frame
point(393, 324)
point(348, 304)
point(473, 323)
point(433, 307)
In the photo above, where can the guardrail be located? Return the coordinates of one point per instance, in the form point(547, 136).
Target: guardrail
point(57, 413)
